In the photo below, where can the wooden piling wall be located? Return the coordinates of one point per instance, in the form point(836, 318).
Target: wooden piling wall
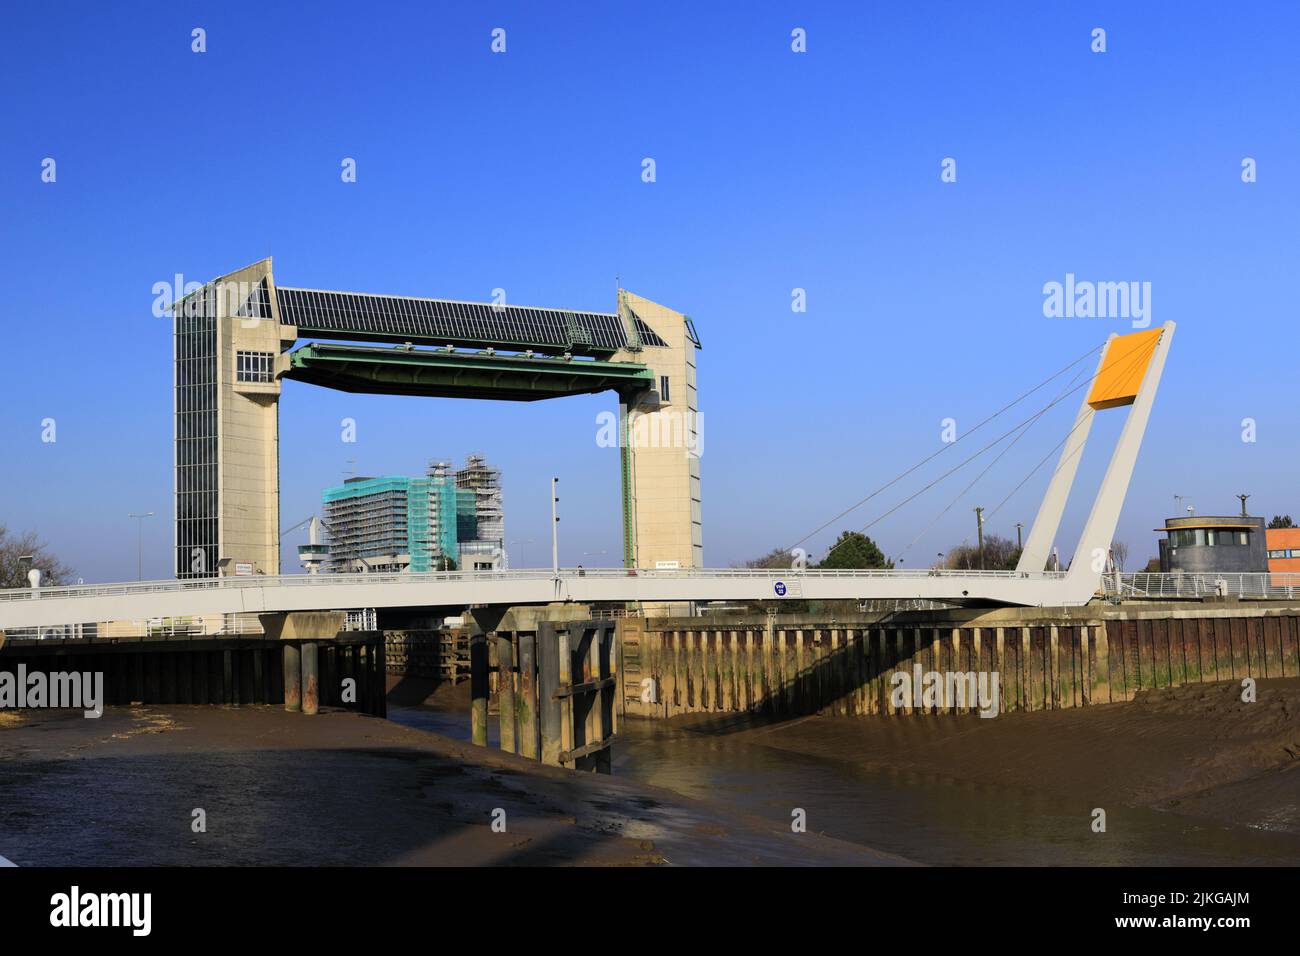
point(233, 671)
point(1047, 659)
point(441, 655)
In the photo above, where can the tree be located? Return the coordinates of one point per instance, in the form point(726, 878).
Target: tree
point(15, 548)
point(1000, 554)
point(1119, 554)
point(855, 550)
point(1281, 521)
point(777, 559)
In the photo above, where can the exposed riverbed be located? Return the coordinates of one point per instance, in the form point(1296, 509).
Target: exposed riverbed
point(1185, 776)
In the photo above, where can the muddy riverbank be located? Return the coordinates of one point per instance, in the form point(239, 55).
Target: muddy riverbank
point(1186, 776)
point(341, 789)
point(1197, 750)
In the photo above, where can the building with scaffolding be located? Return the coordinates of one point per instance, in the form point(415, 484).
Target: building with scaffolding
point(482, 528)
point(442, 521)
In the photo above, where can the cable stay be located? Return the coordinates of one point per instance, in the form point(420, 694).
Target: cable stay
point(932, 456)
point(987, 468)
point(1022, 427)
point(1139, 358)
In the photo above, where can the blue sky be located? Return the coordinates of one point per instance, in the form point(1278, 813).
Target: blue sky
point(775, 170)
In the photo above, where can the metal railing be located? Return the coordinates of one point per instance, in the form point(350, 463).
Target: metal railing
point(441, 577)
point(1258, 585)
point(224, 625)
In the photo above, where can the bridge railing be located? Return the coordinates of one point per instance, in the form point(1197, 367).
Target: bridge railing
point(438, 577)
point(1259, 585)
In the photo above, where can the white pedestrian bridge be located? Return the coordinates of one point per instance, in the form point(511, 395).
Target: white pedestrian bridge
point(25, 608)
point(92, 603)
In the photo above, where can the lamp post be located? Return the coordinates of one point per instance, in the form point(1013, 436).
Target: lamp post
point(555, 530)
point(139, 542)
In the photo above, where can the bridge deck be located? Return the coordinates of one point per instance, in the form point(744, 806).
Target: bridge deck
point(301, 592)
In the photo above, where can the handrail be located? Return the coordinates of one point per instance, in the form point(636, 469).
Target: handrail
point(1248, 584)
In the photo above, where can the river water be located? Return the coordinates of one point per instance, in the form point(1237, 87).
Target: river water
point(926, 819)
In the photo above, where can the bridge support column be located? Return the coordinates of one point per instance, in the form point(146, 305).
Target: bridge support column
point(506, 691)
point(292, 678)
point(548, 682)
point(527, 705)
point(478, 689)
point(310, 679)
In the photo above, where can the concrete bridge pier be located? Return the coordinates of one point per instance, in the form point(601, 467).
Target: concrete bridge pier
point(478, 689)
point(523, 719)
point(301, 631)
point(292, 678)
point(506, 691)
point(310, 679)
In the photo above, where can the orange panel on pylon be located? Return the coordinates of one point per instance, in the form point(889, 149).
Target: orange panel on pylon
point(1123, 369)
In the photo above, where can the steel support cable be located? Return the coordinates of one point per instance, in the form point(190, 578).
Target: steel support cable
point(987, 468)
point(1141, 356)
point(928, 458)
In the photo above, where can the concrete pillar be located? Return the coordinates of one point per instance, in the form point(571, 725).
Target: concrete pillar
point(310, 679)
point(478, 689)
point(292, 678)
point(506, 691)
point(526, 706)
point(548, 682)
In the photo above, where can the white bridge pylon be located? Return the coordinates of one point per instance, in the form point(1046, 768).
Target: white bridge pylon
point(1128, 374)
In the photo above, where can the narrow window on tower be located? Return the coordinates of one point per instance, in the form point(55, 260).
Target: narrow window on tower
point(663, 389)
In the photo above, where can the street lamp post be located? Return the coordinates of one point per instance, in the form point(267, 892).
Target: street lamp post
point(139, 542)
point(555, 530)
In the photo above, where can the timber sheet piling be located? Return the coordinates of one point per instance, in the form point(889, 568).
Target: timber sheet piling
point(1044, 658)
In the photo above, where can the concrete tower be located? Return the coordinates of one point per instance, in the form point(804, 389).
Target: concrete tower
point(228, 359)
point(662, 440)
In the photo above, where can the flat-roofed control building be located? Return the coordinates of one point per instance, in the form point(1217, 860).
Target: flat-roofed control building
point(1209, 544)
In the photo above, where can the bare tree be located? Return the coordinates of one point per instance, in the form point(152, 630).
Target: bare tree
point(1000, 554)
point(775, 560)
point(20, 553)
point(1119, 554)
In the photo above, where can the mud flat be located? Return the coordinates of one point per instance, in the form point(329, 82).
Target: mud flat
point(1196, 750)
point(342, 789)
